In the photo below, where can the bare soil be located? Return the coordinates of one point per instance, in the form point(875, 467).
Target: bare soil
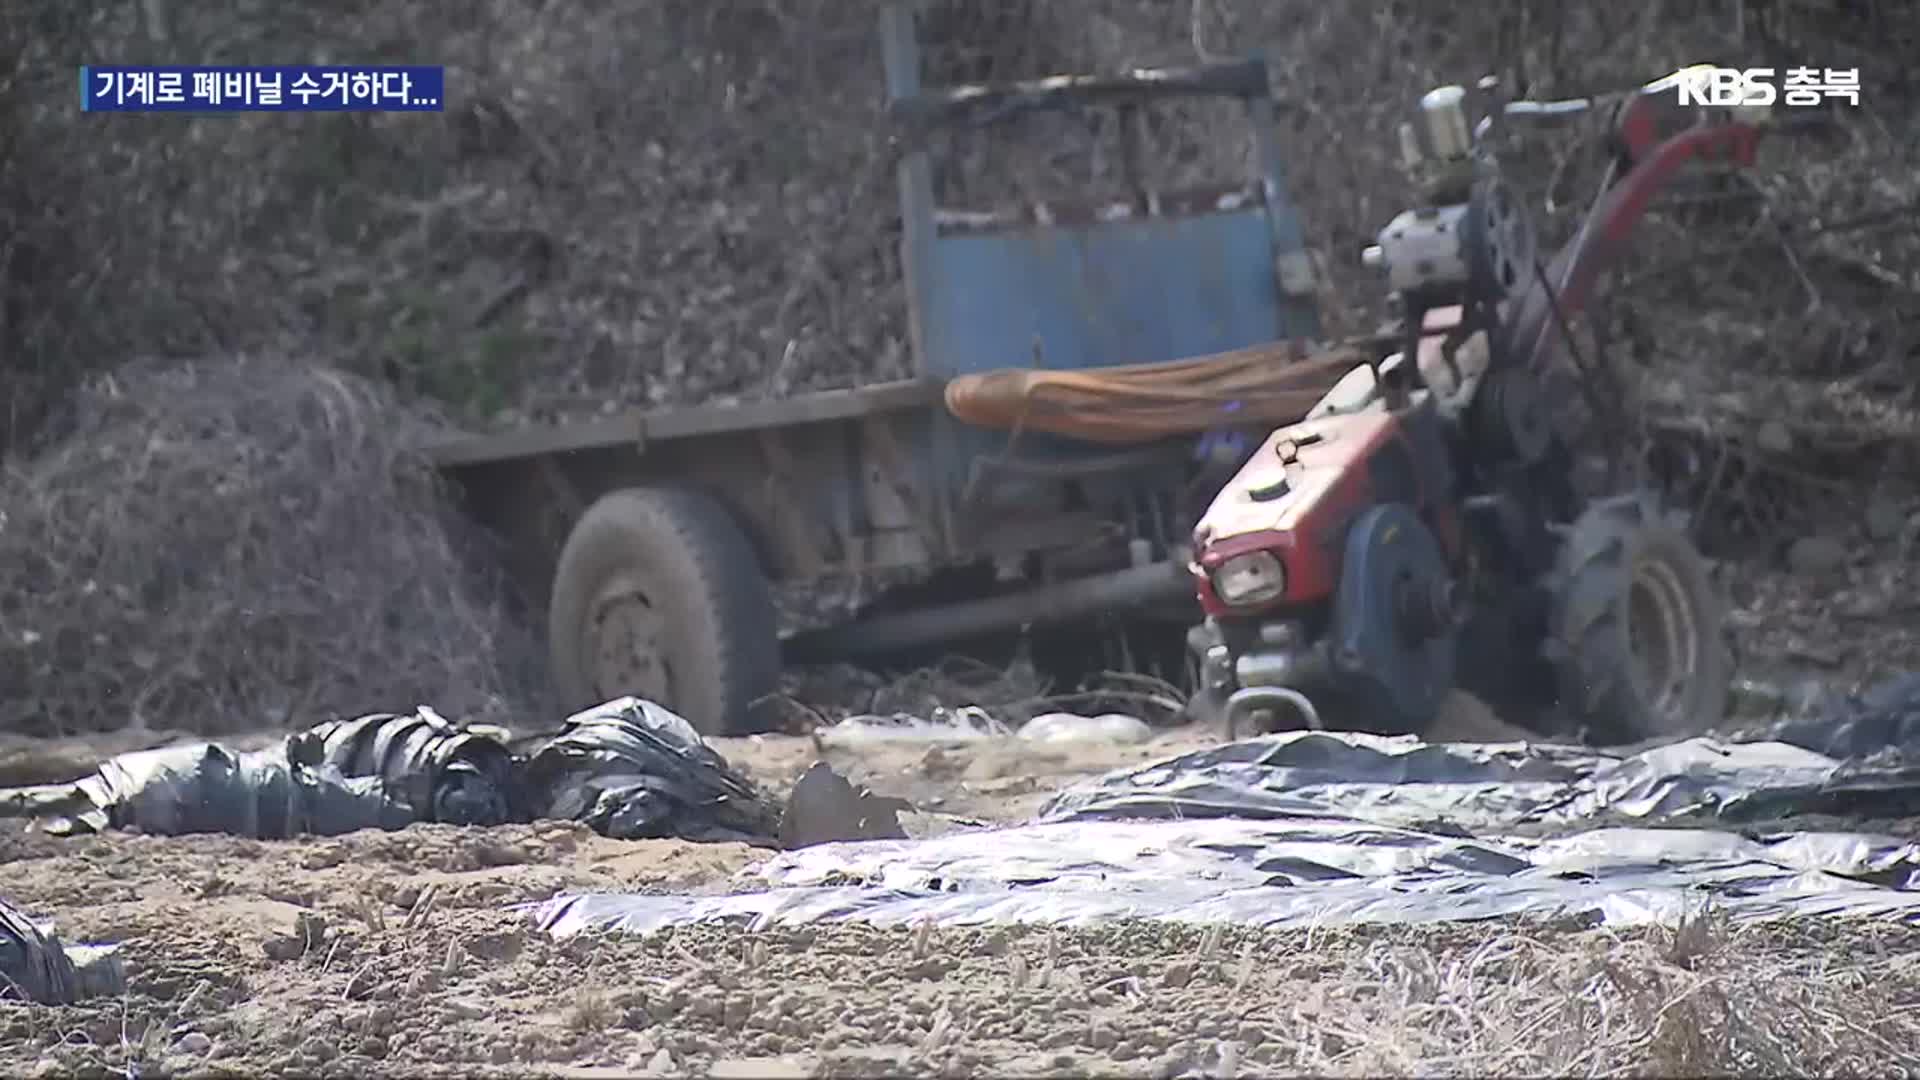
point(395, 954)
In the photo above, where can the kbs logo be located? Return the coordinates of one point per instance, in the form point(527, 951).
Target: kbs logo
point(1728, 87)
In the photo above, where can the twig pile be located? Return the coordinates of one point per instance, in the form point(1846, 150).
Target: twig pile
point(224, 545)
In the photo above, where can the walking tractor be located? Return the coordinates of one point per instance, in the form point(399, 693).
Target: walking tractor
point(1424, 529)
point(1077, 369)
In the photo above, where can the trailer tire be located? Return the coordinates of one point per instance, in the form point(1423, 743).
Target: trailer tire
point(659, 594)
point(1629, 583)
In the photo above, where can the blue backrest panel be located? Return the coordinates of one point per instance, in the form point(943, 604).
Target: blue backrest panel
point(1131, 291)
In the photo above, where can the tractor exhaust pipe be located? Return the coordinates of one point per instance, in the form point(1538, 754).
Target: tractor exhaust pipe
point(1252, 699)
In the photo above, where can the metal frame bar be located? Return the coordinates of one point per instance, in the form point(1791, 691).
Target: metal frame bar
point(918, 107)
point(919, 232)
point(1300, 314)
point(983, 104)
point(1608, 231)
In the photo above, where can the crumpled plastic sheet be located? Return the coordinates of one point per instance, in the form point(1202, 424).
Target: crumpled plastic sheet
point(208, 788)
point(1882, 721)
point(628, 769)
point(1318, 828)
point(36, 967)
point(442, 771)
point(1493, 785)
point(382, 771)
point(631, 769)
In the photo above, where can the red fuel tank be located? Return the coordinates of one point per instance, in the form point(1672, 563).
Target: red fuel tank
point(1294, 498)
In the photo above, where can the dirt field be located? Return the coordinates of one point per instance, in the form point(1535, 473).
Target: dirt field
point(392, 954)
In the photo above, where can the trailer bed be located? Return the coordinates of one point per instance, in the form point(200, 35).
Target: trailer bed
point(637, 428)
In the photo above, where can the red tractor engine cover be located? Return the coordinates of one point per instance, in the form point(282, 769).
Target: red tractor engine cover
point(1296, 496)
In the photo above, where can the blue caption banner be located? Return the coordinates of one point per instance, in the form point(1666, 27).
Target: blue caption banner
point(263, 89)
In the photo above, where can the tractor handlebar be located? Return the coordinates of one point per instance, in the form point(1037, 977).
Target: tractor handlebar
point(1549, 114)
point(1816, 124)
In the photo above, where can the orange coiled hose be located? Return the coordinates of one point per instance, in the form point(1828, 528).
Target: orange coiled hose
point(1274, 383)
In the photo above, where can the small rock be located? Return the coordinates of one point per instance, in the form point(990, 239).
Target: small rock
point(1774, 437)
point(1817, 555)
point(193, 1043)
point(1178, 975)
point(662, 1064)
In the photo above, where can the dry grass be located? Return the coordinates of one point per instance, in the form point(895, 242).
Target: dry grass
point(227, 545)
point(1825, 998)
point(1701, 999)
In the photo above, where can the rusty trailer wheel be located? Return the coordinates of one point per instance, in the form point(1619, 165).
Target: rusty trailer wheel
point(658, 594)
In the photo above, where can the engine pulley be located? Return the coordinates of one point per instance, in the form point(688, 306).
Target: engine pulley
point(1400, 658)
point(1499, 241)
point(1510, 416)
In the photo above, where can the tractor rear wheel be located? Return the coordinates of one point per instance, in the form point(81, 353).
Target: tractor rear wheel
point(658, 594)
point(1638, 639)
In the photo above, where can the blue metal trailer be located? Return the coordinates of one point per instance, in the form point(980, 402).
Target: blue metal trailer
point(656, 538)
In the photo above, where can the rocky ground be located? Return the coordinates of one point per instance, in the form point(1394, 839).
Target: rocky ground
point(394, 954)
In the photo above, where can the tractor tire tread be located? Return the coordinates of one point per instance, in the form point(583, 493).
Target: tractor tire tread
point(1592, 587)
